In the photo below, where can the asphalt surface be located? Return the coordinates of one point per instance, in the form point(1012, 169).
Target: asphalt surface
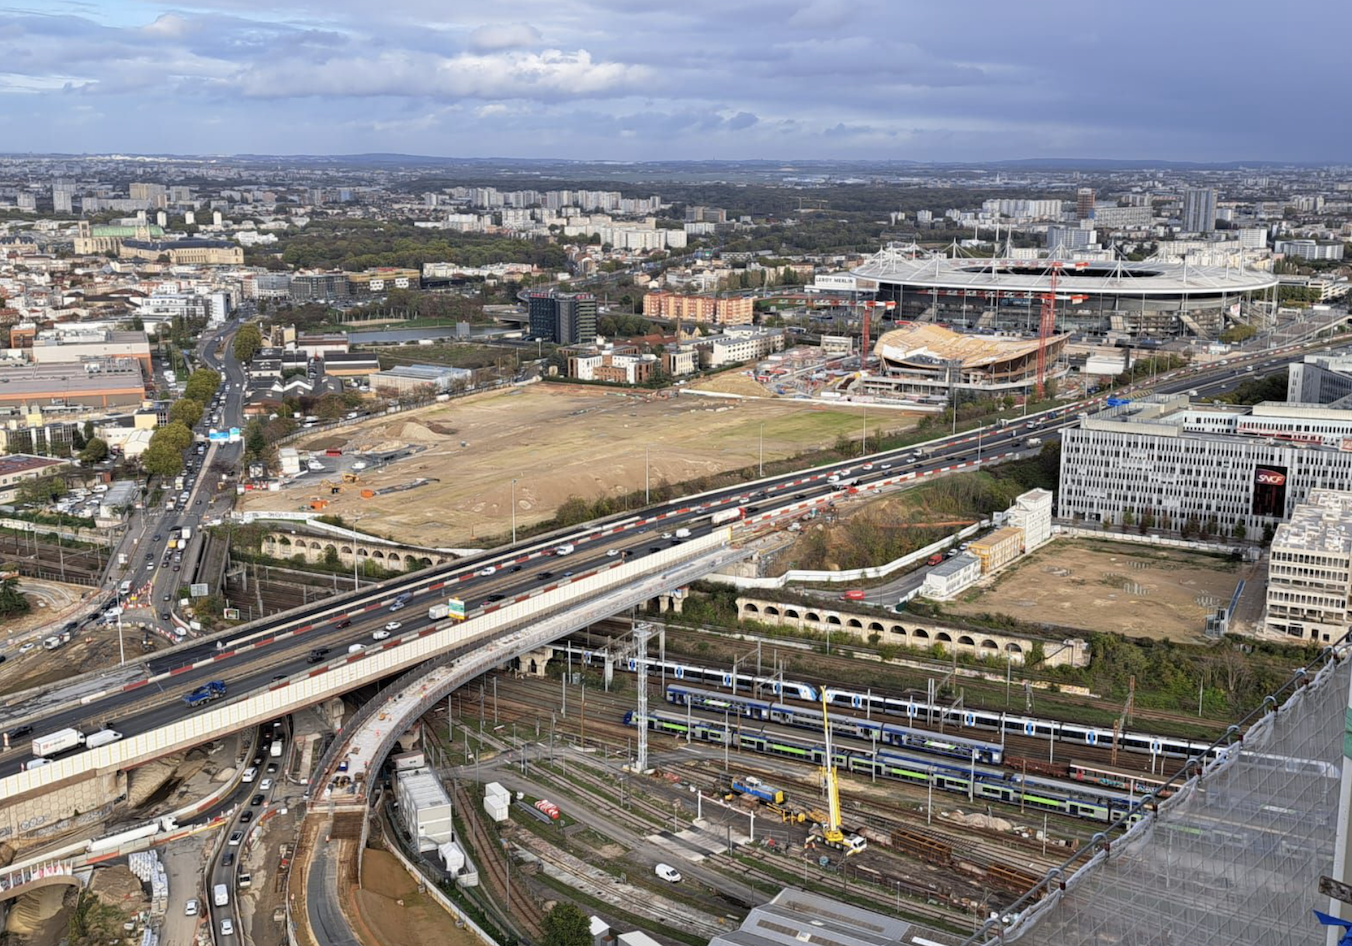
point(352, 619)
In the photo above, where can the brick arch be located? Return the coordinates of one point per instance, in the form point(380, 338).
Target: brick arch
point(771, 610)
point(898, 629)
point(944, 637)
point(1013, 648)
point(790, 613)
point(833, 619)
point(874, 626)
point(751, 607)
point(854, 622)
point(812, 616)
point(964, 639)
point(920, 634)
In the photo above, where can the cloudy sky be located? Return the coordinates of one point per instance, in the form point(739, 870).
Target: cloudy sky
point(634, 79)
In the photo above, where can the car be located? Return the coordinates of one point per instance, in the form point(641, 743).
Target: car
point(228, 859)
point(346, 622)
point(546, 575)
point(612, 553)
point(164, 615)
point(245, 819)
point(198, 503)
point(397, 606)
point(316, 655)
point(18, 732)
point(885, 466)
point(177, 567)
point(227, 927)
point(853, 595)
point(516, 568)
point(486, 571)
point(27, 647)
point(496, 597)
point(165, 597)
point(190, 908)
point(236, 837)
point(668, 873)
point(256, 800)
point(157, 538)
point(265, 785)
point(867, 466)
point(567, 574)
point(384, 633)
point(654, 548)
point(278, 676)
point(666, 535)
point(271, 769)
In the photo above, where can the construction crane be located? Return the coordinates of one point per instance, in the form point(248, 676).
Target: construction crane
point(831, 832)
point(1047, 326)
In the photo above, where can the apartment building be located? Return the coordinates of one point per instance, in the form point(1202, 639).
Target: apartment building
point(726, 310)
point(1309, 593)
point(997, 549)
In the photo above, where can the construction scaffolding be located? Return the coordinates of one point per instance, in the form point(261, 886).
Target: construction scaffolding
point(1236, 856)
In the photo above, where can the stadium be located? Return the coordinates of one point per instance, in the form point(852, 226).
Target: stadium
point(1144, 300)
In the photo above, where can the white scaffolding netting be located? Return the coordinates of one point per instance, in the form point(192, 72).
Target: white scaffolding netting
point(1234, 857)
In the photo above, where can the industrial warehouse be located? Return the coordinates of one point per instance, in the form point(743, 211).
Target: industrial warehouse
point(1145, 300)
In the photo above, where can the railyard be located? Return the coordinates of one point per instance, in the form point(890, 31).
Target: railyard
point(937, 852)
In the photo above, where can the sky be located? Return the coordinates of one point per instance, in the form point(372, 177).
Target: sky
point(1200, 80)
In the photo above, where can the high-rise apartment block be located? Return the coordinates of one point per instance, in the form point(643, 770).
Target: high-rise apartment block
point(1199, 210)
point(1309, 593)
point(1084, 203)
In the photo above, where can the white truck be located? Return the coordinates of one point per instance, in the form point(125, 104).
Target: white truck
point(566, 548)
point(727, 515)
point(104, 737)
point(682, 533)
point(59, 741)
point(185, 536)
point(438, 611)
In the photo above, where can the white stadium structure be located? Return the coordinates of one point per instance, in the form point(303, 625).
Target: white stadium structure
point(1145, 300)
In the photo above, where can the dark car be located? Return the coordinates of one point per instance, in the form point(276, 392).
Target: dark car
point(496, 597)
point(18, 732)
point(255, 801)
point(228, 859)
point(344, 623)
point(544, 575)
point(164, 615)
point(246, 817)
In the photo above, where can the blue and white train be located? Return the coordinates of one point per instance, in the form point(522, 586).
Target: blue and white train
point(802, 717)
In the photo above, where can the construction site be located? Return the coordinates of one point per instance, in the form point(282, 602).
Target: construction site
point(450, 474)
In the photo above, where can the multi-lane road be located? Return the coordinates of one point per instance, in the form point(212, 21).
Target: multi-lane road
point(305, 641)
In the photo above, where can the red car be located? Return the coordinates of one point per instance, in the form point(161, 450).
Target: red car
point(853, 596)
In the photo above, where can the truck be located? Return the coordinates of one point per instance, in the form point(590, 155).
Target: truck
point(178, 482)
point(206, 693)
point(104, 737)
point(1033, 441)
point(62, 740)
point(566, 548)
point(220, 895)
point(184, 536)
point(275, 751)
point(682, 533)
point(727, 515)
point(122, 558)
point(935, 559)
point(438, 611)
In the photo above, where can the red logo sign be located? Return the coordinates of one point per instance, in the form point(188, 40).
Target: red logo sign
point(1270, 478)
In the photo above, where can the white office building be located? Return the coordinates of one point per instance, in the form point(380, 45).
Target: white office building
point(425, 808)
point(1177, 461)
point(1032, 512)
point(1309, 593)
point(951, 576)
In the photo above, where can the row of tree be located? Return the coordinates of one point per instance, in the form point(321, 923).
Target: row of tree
point(164, 455)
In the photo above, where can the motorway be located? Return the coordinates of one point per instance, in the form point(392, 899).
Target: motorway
point(282, 646)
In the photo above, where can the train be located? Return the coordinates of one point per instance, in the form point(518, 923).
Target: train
point(996, 721)
point(1089, 803)
point(884, 733)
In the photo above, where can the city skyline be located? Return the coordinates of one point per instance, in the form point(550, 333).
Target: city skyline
point(598, 79)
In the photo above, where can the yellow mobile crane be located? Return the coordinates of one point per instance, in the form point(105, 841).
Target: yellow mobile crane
point(831, 832)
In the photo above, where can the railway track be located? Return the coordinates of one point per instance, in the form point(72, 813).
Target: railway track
point(522, 912)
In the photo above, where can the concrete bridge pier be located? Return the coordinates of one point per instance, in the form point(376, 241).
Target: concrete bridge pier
point(536, 662)
point(672, 602)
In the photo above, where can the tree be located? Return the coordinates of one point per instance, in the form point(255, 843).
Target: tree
point(248, 340)
point(202, 385)
point(331, 556)
point(185, 411)
point(176, 436)
point(161, 459)
point(12, 601)
point(1128, 517)
point(41, 490)
point(1240, 531)
point(88, 430)
point(255, 441)
point(331, 406)
point(566, 925)
point(94, 451)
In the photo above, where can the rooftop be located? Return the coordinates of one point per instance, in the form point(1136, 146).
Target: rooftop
point(799, 918)
point(930, 343)
point(25, 463)
point(1323, 523)
point(423, 788)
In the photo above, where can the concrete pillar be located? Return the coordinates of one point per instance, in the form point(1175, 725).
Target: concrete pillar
point(609, 669)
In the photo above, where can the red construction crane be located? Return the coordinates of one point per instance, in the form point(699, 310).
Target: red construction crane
point(1047, 326)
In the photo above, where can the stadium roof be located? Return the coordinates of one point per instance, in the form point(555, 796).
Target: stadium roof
point(927, 343)
point(898, 266)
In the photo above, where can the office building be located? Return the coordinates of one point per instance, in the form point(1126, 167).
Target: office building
point(414, 380)
point(84, 343)
point(1321, 378)
point(1309, 593)
point(378, 282)
point(103, 382)
point(1253, 238)
point(566, 318)
point(951, 576)
point(1032, 512)
point(738, 345)
point(19, 469)
point(1208, 464)
point(63, 197)
point(1199, 210)
point(1113, 217)
point(1084, 203)
point(728, 310)
point(318, 287)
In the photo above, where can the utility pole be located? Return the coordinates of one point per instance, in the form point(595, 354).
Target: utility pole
point(514, 512)
point(641, 631)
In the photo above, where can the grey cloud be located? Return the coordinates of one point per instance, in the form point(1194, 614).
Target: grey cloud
point(504, 36)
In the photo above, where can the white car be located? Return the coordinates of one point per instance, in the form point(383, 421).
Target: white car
point(612, 553)
point(486, 571)
point(393, 626)
point(27, 647)
point(190, 908)
point(666, 535)
point(264, 785)
point(867, 466)
point(885, 466)
point(668, 873)
point(227, 927)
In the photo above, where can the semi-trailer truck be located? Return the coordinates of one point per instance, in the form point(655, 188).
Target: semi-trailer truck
point(63, 740)
point(727, 515)
point(206, 693)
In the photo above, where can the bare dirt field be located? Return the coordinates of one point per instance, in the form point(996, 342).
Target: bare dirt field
point(394, 910)
point(1136, 590)
point(556, 442)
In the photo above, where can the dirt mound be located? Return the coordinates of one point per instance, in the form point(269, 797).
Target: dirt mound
point(414, 432)
point(734, 382)
point(144, 781)
point(119, 887)
point(38, 916)
point(396, 913)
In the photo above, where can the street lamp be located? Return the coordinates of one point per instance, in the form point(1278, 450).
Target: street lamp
point(647, 479)
point(762, 450)
point(514, 512)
